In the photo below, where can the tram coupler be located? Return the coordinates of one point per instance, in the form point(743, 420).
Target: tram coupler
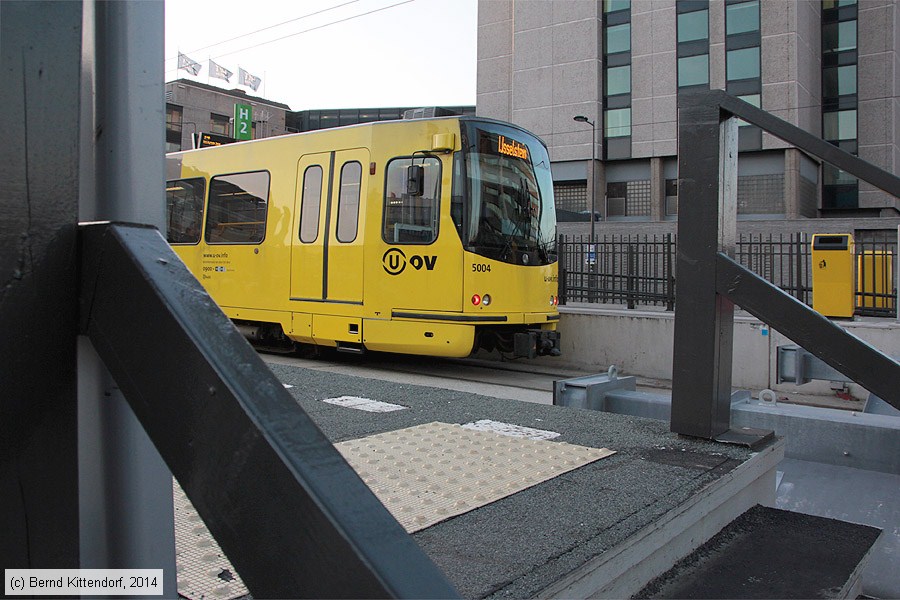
point(536, 342)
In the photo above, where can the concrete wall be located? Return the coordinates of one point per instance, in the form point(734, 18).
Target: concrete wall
point(640, 343)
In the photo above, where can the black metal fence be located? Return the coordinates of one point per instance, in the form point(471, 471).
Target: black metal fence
point(640, 269)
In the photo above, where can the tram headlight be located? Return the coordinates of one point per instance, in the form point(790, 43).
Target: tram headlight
point(486, 300)
point(551, 300)
point(476, 299)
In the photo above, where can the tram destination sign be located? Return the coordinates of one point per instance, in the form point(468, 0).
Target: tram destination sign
point(209, 140)
point(501, 144)
point(511, 147)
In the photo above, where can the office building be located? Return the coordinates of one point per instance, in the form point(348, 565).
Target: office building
point(831, 67)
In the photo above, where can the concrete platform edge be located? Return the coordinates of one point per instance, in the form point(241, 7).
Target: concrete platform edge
point(854, 586)
point(625, 569)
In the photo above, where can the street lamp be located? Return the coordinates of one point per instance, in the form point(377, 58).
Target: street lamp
point(592, 256)
point(583, 119)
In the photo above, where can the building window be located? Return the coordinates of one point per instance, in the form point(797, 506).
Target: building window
point(693, 26)
point(839, 98)
point(693, 70)
point(617, 78)
point(742, 64)
point(628, 198)
point(348, 202)
point(618, 38)
point(839, 81)
point(174, 116)
point(693, 43)
point(184, 210)
point(616, 5)
point(411, 219)
point(237, 208)
point(218, 124)
point(839, 37)
point(742, 18)
point(617, 122)
point(753, 100)
point(761, 194)
point(571, 197)
point(309, 204)
point(839, 126)
point(671, 197)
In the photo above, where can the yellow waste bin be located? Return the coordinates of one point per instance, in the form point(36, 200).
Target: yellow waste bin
point(832, 274)
point(875, 278)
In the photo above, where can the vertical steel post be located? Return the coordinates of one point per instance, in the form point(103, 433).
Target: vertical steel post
point(125, 489)
point(707, 221)
point(40, 54)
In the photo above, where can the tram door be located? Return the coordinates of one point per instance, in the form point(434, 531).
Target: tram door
point(327, 250)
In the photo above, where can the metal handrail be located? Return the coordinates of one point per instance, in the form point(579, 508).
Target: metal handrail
point(711, 282)
point(291, 515)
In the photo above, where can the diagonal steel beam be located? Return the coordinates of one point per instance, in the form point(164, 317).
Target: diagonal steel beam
point(884, 180)
point(864, 364)
point(290, 513)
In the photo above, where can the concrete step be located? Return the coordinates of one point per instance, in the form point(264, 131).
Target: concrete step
point(771, 553)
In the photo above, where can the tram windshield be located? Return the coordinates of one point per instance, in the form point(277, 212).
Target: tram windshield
point(505, 211)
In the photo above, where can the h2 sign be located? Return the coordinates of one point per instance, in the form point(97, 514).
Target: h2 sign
point(243, 121)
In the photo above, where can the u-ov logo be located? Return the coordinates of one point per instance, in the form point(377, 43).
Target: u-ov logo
point(394, 261)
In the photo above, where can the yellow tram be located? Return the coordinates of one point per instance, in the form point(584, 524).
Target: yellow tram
point(425, 236)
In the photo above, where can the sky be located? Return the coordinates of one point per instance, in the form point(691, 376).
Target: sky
point(331, 53)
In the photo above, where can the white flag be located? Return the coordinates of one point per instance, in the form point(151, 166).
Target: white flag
point(245, 78)
point(191, 66)
point(216, 70)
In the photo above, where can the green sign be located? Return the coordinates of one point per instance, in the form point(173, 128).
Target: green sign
point(243, 121)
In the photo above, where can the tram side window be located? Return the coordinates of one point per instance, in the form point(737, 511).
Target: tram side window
point(410, 219)
point(309, 204)
point(348, 202)
point(184, 210)
point(237, 208)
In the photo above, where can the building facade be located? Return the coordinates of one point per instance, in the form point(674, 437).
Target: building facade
point(831, 67)
point(194, 108)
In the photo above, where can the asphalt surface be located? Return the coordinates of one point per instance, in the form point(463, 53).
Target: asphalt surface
point(517, 546)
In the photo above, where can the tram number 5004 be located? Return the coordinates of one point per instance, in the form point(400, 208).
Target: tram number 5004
point(481, 268)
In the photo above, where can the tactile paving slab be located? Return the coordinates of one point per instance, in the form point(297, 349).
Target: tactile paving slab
point(428, 473)
point(202, 569)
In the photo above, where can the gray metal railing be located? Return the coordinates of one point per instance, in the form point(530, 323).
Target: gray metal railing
point(254, 465)
point(711, 282)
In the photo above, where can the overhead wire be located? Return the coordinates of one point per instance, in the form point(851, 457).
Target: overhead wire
point(323, 26)
point(243, 35)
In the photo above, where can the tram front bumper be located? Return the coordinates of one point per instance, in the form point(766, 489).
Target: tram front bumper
point(537, 342)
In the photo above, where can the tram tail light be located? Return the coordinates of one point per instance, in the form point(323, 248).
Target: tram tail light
point(476, 299)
